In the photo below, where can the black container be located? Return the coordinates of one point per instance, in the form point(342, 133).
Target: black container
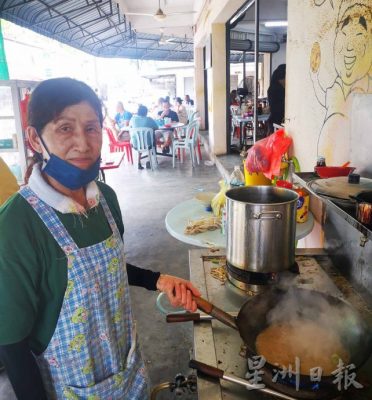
point(364, 207)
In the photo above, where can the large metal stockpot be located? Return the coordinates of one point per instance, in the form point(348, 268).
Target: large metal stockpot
point(261, 228)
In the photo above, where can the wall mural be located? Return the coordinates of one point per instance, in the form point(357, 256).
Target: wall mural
point(352, 62)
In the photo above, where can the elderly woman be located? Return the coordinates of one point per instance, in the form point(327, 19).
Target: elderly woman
point(66, 320)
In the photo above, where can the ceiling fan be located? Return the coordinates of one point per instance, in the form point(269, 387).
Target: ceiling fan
point(160, 14)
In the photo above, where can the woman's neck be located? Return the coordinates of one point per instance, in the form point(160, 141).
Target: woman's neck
point(78, 195)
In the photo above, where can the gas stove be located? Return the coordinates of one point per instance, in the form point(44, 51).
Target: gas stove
point(257, 282)
point(218, 345)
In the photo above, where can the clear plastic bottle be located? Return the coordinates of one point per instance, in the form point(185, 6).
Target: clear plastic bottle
point(237, 177)
point(223, 220)
point(291, 170)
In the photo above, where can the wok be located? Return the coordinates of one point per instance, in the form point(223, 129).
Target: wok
point(353, 331)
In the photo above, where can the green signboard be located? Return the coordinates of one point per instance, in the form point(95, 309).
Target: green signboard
point(4, 72)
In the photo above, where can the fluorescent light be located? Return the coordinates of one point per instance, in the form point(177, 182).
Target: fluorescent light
point(241, 12)
point(273, 24)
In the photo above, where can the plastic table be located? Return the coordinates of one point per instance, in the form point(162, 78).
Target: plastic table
point(178, 217)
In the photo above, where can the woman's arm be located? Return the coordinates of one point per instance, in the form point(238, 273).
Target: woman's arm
point(23, 371)
point(142, 277)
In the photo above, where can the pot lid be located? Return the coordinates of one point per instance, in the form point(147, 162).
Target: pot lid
point(339, 188)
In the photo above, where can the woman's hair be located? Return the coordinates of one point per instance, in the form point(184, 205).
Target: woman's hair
point(179, 100)
point(142, 110)
point(278, 74)
point(52, 96)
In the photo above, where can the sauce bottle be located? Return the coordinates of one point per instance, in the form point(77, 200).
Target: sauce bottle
point(303, 201)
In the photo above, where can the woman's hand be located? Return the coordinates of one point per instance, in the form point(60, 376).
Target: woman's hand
point(179, 291)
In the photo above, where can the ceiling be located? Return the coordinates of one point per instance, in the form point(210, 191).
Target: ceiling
point(114, 28)
point(270, 10)
point(181, 16)
point(101, 28)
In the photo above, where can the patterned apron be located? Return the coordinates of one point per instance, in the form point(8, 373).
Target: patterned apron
point(93, 353)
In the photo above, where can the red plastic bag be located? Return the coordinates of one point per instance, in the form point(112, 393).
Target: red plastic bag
point(266, 155)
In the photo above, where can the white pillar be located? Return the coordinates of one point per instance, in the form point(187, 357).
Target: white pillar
point(217, 91)
point(199, 84)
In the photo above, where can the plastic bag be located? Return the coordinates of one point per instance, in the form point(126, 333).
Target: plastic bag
point(219, 199)
point(237, 177)
point(265, 156)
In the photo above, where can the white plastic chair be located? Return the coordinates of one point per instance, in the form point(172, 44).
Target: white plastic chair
point(190, 143)
point(190, 112)
point(142, 141)
point(193, 116)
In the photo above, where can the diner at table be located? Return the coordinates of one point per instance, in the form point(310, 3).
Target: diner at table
point(164, 136)
point(141, 120)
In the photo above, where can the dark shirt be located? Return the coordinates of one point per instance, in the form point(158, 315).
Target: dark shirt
point(276, 96)
point(171, 114)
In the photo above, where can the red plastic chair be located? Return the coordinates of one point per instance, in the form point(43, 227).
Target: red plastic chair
point(116, 146)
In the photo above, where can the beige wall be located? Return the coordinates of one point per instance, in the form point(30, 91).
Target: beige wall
point(329, 60)
point(199, 84)
point(217, 91)
point(211, 24)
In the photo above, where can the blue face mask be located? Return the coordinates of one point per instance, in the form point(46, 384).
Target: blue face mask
point(69, 175)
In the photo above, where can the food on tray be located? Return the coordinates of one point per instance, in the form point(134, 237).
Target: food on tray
point(219, 273)
point(202, 225)
point(314, 345)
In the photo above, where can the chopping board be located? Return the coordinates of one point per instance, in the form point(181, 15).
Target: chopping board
point(339, 189)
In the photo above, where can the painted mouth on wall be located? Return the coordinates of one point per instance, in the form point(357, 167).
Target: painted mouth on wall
point(349, 62)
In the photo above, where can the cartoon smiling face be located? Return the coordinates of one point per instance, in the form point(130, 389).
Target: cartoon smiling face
point(353, 43)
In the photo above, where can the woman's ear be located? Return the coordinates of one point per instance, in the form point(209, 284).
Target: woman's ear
point(34, 139)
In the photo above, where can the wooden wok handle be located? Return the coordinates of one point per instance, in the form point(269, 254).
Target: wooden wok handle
point(216, 312)
point(206, 369)
point(203, 304)
point(183, 317)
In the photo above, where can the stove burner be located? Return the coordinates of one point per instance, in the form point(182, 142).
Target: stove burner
point(307, 390)
point(255, 281)
point(253, 278)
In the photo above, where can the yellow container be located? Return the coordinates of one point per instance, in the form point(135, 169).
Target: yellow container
point(255, 178)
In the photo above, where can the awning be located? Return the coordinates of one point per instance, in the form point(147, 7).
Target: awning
point(96, 27)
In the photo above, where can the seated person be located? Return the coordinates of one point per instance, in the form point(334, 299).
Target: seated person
point(122, 119)
point(188, 101)
point(141, 120)
point(166, 136)
point(181, 110)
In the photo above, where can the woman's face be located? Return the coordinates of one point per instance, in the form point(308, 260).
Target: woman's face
point(75, 136)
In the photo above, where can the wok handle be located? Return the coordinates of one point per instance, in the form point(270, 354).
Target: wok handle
point(183, 317)
point(203, 304)
point(206, 369)
point(216, 312)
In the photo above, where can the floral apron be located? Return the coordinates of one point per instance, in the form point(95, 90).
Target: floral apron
point(93, 353)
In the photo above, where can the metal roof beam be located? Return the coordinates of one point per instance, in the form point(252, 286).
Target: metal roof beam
point(84, 9)
point(22, 3)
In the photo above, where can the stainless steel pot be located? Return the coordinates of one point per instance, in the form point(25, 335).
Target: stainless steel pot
point(261, 228)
